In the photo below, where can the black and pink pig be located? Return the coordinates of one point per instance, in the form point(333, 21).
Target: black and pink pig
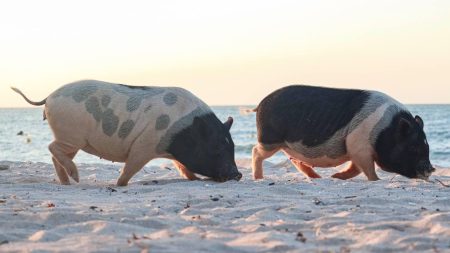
point(326, 127)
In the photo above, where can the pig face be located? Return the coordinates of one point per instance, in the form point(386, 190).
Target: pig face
point(206, 148)
point(403, 148)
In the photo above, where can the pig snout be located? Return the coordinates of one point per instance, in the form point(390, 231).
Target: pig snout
point(425, 171)
point(234, 175)
point(237, 176)
point(429, 171)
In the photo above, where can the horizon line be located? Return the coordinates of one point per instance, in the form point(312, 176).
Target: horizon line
point(235, 105)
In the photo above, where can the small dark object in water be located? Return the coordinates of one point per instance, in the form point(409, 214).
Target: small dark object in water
point(300, 237)
point(215, 199)
point(20, 133)
point(317, 202)
point(4, 242)
point(95, 208)
point(271, 184)
point(4, 167)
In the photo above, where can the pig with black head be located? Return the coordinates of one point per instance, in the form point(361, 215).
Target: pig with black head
point(135, 124)
point(326, 127)
point(402, 147)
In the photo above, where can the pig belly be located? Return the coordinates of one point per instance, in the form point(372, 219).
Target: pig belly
point(112, 148)
point(322, 161)
point(107, 150)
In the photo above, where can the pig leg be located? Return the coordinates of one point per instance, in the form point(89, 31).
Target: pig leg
point(361, 154)
point(61, 172)
point(350, 172)
point(135, 162)
point(132, 166)
point(63, 155)
point(259, 154)
point(305, 169)
point(367, 166)
point(184, 172)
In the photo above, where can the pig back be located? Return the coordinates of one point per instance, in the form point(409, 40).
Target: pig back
point(308, 114)
point(106, 119)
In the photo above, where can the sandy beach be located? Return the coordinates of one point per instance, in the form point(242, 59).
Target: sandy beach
point(160, 212)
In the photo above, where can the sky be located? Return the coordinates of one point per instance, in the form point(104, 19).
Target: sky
point(227, 52)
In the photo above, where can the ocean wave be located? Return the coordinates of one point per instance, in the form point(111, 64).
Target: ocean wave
point(243, 148)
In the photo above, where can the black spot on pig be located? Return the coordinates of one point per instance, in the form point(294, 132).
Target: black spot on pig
point(110, 122)
point(402, 147)
point(107, 117)
point(106, 100)
point(79, 91)
point(148, 108)
point(133, 103)
point(162, 122)
point(137, 94)
point(308, 114)
point(126, 128)
point(93, 107)
point(170, 98)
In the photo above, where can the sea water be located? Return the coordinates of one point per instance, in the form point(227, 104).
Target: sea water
point(32, 145)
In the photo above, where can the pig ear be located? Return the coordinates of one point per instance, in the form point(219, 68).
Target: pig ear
point(419, 121)
point(228, 123)
point(404, 126)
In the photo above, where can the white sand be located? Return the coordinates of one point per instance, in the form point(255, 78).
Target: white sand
point(283, 213)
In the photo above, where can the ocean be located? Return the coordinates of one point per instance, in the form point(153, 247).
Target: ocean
point(32, 145)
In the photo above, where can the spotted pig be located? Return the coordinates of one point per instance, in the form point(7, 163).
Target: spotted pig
point(325, 127)
point(135, 124)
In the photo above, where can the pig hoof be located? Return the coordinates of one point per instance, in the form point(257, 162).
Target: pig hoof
point(122, 184)
point(257, 177)
point(65, 183)
point(191, 177)
point(339, 176)
point(76, 178)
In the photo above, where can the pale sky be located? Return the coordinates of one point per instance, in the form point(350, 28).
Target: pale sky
point(228, 52)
